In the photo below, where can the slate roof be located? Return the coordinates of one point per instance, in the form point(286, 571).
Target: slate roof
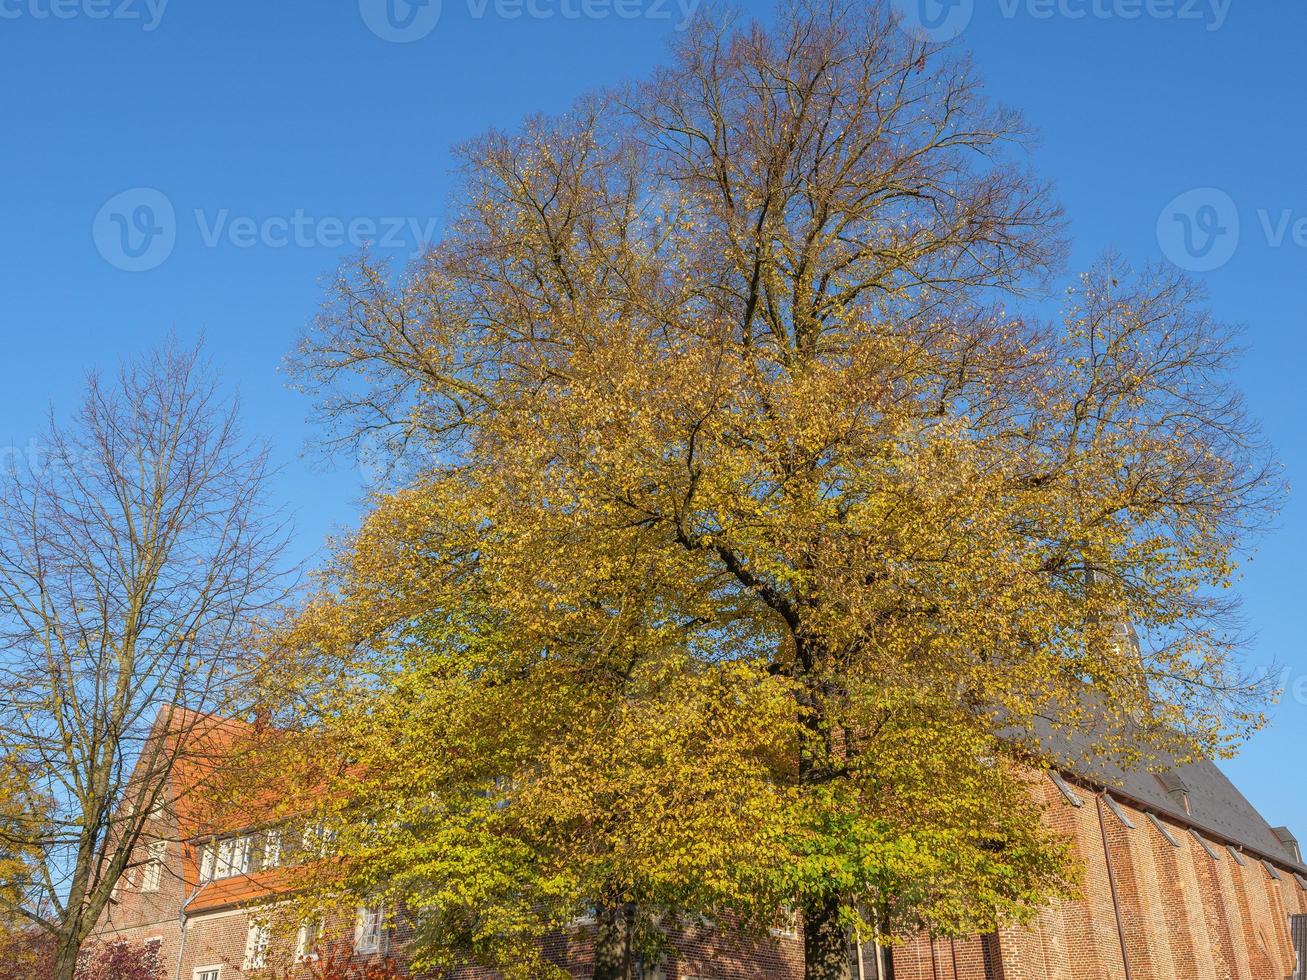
point(1216, 807)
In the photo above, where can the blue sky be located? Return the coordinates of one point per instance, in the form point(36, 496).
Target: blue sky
point(280, 133)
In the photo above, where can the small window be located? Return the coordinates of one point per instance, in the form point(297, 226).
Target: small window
point(318, 839)
point(206, 862)
point(306, 942)
point(1237, 855)
point(272, 849)
point(588, 916)
point(1163, 830)
point(208, 973)
point(1202, 841)
point(152, 876)
point(368, 929)
point(787, 925)
point(1273, 871)
point(1118, 812)
point(233, 857)
point(1065, 788)
point(256, 946)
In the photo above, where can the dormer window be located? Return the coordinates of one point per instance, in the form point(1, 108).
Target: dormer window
point(272, 849)
point(233, 857)
point(1175, 789)
point(228, 857)
point(1290, 843)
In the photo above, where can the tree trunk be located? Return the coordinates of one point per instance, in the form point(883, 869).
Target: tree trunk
point(65, 958)
point(825, 941)
point(613, 944)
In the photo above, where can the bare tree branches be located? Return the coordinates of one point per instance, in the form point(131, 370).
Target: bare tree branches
point(132, 558)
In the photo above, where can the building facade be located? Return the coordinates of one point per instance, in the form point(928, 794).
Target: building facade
point(1182, 880)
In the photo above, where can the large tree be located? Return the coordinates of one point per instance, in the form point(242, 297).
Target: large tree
point(727, 371)
point(134, 549)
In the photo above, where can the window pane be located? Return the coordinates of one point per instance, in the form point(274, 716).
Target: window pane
point(272, 849)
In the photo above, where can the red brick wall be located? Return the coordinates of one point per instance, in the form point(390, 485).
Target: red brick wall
point(1184, 916)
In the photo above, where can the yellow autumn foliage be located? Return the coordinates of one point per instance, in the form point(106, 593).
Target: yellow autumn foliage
point(750, 541)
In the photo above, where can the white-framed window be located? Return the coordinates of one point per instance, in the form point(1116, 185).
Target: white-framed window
point(233, 857)
point(319, 839)
point(256, 946)
point(369, 926)
point(306, 941)
point(787, 924)
point(152, 876)
point(588, 916)
point(206, 861)
point(159, 808)
point(272, 849)
point(208, 973)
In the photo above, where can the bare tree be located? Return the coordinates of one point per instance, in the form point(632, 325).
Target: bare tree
point(134, 553)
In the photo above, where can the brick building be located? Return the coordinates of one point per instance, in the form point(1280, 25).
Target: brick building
point(1182, 880)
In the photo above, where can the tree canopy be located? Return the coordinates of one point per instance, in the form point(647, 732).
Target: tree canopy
point(752, 528)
